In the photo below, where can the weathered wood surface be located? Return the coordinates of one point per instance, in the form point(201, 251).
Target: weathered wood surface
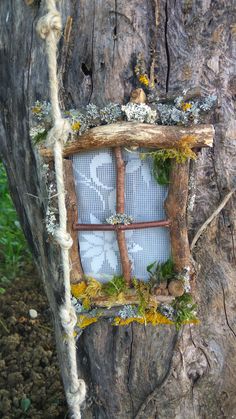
point(132, 298)
point(76, 272)
point(176, 207)
point(136, 372)
point(133, 134)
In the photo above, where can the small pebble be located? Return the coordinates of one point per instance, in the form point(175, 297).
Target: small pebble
point(33, 313)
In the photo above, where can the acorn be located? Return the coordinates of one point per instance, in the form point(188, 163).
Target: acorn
point(176, 288)
point(138, 96)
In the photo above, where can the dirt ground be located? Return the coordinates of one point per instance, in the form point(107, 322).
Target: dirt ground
point(30, 383)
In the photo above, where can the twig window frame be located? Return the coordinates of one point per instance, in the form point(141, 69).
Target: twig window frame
point(133, 134)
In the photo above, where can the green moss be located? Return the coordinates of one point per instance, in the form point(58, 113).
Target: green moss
point(185, 310)
point(40, 137)
point(143, 292)
point(115, 286)
point(162, 159)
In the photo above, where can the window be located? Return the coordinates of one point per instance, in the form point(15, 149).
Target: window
point(95, 175)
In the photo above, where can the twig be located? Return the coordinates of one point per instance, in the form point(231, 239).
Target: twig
point(4, 326)
point(211, 218)
point(111, 227)
point(120, 208)
point(44, 327)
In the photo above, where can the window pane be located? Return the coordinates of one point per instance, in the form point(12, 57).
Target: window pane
point(95, 181)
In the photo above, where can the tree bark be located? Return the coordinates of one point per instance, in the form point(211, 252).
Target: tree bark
point(135, 372)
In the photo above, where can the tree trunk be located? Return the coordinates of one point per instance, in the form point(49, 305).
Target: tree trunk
point(135, 371)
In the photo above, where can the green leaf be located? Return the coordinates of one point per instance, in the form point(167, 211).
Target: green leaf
point(161, 271)
point(2, 290)
point(25, 404)
point(40, 137)
point(150, 267)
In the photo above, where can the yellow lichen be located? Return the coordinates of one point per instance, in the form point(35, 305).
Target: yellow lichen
point(77, 290)
point(76, 126)
point(84, 321)
point(150, 317)
point(93, 288)
point(186, 106)
point(184, 147)
point(154, 317)
point(143, 79)
point(36, 109)
point(85, 291)
point(118, 321)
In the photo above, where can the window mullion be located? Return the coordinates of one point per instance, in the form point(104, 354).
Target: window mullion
point(120, 209)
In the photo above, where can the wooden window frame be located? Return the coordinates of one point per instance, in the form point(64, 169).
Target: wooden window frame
point(133, 134)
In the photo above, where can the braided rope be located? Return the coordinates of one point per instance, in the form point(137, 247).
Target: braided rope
point(49, 29)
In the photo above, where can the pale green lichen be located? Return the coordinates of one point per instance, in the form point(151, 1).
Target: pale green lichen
point(119, 219)
point(139, 112)
point(178, 112)
point(111, 113)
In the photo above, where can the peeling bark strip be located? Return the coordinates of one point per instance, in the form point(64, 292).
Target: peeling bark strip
point(129, 134)
point(120, 208)
point(176, 205)
point(76, 272)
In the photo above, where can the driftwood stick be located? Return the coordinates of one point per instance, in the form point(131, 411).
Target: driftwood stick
point(120, 208)
point(129, 134)
point(112, 311)
point(76, 273)
point(175, 205)
point(132, 298)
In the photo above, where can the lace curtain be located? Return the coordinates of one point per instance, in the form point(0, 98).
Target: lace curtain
point(95, 181)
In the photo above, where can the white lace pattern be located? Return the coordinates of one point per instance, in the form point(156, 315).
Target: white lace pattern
point(95, 180)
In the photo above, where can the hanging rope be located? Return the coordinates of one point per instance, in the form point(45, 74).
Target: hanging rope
point(49, 28)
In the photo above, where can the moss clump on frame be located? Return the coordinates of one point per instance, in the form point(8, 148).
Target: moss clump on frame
point(181, 311)
point(161, 159)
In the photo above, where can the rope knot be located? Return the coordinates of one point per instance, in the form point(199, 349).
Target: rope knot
point(63, 238)
point(68, 319)
point(59, 132)
point(50, 24)
point(77, 398)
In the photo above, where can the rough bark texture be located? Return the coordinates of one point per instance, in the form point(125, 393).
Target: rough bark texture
point(136, 372)
point(133, 134)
